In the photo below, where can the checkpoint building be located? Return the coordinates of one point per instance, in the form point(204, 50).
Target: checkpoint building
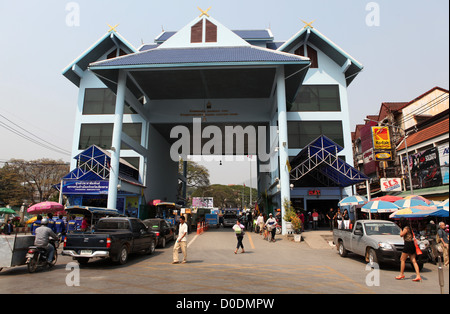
point(293, 92)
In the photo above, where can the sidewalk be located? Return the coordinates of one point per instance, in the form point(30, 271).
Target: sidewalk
point(319, 239)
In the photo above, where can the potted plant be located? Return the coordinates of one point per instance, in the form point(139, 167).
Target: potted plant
point(297, 227)
point(289, 216)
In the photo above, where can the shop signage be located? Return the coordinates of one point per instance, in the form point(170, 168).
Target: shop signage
point(381, 138)
point(391, 184)
point(86, 187)
point(314, 192)
point(383, 156)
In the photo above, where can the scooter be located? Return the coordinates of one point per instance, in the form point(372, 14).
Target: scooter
point(37, 257)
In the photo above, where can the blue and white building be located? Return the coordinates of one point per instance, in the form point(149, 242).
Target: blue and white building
point(131, 99)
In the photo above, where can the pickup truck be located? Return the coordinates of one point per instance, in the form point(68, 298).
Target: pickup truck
point(114, 237)
point(378, 241)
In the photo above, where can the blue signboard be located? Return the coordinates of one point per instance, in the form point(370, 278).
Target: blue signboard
point(86, 187)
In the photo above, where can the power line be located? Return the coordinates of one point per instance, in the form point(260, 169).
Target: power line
point(15, 131)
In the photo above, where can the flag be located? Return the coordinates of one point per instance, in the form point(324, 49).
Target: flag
point(288, 165)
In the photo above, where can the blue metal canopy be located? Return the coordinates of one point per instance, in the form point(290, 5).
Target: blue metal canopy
point(319, 162)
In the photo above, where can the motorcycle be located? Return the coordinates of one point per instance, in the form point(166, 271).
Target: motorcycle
point(37, 257)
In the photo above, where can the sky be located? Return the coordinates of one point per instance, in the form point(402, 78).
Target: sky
point(403, 46)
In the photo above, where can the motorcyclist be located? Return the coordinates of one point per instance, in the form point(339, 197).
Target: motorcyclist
point(43, 235)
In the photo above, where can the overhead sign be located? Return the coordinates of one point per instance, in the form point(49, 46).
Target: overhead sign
point(381, 138)
point(383, 156)
point(391, 184)
point(85, 187)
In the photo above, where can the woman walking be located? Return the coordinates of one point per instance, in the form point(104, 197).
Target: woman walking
point(239, 231)
point(409, 249)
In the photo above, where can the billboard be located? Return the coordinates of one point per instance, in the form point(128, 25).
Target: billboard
point(381, 138)
point(203, 202)
point(443, 162)
point(425, 168)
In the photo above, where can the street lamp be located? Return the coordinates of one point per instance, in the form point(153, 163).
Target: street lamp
point(406, 149)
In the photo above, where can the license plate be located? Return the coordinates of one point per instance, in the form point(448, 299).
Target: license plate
point(85, 252)
point(29, 255)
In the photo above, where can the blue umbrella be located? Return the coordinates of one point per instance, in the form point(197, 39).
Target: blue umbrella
point(444, 205)
point(379, 207)
point(405, 203)
point(353, 200)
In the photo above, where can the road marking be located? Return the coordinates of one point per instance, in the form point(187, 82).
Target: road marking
point(251, 241)
point(189, 244)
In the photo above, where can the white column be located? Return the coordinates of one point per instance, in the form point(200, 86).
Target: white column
point(116, 140)
point(285, 192)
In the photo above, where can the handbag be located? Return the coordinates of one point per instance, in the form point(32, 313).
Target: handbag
point(418, 251)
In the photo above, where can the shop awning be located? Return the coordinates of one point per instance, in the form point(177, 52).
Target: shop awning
point(318, 164)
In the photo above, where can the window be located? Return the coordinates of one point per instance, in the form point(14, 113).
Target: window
point(311, 53)
point(101, 101)
point(317, 98)
point(210, 32)
point(302, 133)
point(100, 134)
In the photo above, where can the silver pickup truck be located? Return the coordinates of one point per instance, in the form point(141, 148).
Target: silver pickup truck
point(378, 241)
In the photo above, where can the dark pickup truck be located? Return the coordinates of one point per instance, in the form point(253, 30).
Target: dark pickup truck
point(114, 238)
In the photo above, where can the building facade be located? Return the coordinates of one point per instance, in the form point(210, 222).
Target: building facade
point(140, 103)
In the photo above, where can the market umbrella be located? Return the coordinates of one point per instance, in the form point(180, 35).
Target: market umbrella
point(6, 210)
point(411, 202)
point(388, 198)
point(379, 207)
point(444, 205)
point(418, 197)
point(353, 200)
point(45, 208)
point(414, 212)
point(31, 220)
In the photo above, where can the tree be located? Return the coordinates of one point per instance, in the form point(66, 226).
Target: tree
point(39, 176)
point(197, 175)
point(12, 192)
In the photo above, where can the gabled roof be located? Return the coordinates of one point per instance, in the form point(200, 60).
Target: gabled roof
point(424, 94)
point(337, 54)
point(171, 57)
point(429, 133)
point(100, 47)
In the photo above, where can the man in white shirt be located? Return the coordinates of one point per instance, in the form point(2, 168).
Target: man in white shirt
point(181, 241)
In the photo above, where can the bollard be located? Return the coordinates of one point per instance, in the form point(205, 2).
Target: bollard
point(441, 274)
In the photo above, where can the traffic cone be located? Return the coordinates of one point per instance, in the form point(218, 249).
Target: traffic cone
point(198, 228)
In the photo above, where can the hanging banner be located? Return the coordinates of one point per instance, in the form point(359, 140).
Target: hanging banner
point(381, 138)
point(85, 187)
point(391, 184)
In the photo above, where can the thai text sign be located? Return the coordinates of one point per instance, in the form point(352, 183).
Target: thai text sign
point(381, 138)
point(85, 187)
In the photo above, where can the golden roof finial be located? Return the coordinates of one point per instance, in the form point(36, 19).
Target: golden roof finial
point(112, 28)
point(204, 12)
point(308, 24)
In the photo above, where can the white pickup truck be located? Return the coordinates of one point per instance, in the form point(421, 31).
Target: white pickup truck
point(378, 241)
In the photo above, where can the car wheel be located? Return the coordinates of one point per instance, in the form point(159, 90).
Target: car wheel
point(123, 255)
point(152, 247)
point(341, 249)
point(372, 258)
point(163, 242)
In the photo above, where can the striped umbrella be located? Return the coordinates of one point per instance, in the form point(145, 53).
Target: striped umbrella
point(444, 205)
point(418, 197)
point(388, 198)
point(414, 212)
point(353, 200)
point(406, 203)
point(379, 207)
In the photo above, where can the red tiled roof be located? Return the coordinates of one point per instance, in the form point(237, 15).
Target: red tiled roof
point(426, 134)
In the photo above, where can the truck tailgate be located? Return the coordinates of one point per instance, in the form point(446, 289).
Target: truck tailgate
point(86, 241)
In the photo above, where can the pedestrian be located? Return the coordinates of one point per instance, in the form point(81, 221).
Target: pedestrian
point(260, 224)
point(8, 228)
point(239, 231)
point(443, 241)
point(36, 224)
point(302, 218)
point(315, 217)
point(409, 250)
point(346, 218)
point(271, 225)
point(339, 218)
point(181, 241)
point(330, 216)
point(72, 224)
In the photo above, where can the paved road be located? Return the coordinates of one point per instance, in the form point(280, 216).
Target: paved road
point(283, 267)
